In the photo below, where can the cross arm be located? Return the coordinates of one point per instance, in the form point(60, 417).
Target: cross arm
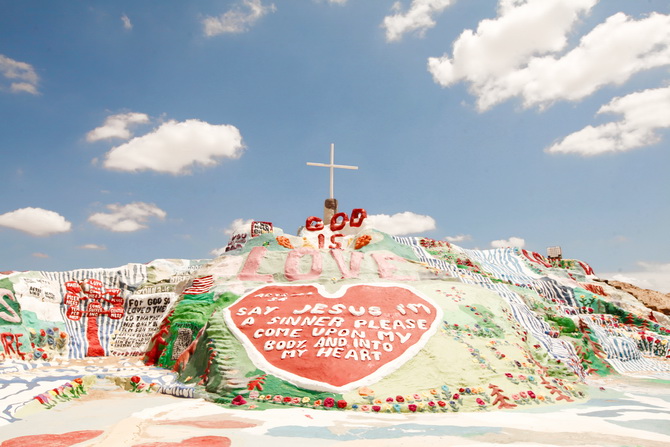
point(332, 166)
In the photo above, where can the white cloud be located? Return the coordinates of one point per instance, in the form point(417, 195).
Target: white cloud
point(175, 146)
point(35, 221)
point(643, 114)
point(459, 238)
point(610, 54)
point(653, 276)
point(511, 242)
point(22, 76)
point(127, 24)
point(520, 53)
point(92, 247)
point(418, 18)
point(238, 226)
point(117, 126)
point(238, 19)
point(401, 223)
point(127, 218)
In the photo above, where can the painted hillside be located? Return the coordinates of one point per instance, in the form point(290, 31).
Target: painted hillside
point(346, 317)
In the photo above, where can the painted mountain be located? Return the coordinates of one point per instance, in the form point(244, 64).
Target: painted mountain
point(343, 316)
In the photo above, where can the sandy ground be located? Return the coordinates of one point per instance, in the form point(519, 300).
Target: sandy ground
point(621, 412)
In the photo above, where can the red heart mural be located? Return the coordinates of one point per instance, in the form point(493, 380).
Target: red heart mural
point(329, 342)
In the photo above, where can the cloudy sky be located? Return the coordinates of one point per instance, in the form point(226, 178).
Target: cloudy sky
point(133, 131)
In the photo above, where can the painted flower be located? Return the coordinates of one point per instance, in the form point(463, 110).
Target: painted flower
point(417, 397)
point(456, 396)
point(441, 403)
point(389, 399)
point(287, 399)
point(253, 394)
point(515, 396)
point(365, 391)
point(305, 400)
point(238, 400)
point(341, 404)
point(531, 395)
point(295, 401)
point(523, 395)
point(411, 407)
point(328, 402)
point(399, 399)
point(365, 407)
point(480, 402)
point(135, 379)
point(376, 408)
point(433, 392)
point(317, 403)
point(277, 398)
point(43, 399)
point(431, 404)
point(284, 242)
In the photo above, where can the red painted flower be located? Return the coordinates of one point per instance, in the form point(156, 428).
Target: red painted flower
point(412, 407)
point(456, 396)
point(135, 379)
point(531, 395)
point(328, 402)
point(78, 381)
point(341, 404)
point(389, 399)
point(441, 403)
point(400, 399)
point(480, 402)
point(238, 400)
point(288, 399)
point(376, 408)
point(41, 398)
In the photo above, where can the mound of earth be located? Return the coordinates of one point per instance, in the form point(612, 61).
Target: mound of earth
point(346, 317)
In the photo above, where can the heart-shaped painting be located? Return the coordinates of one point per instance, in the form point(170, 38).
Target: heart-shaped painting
point(332, 342)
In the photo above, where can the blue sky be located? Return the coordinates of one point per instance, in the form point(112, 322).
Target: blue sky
point(141, 130)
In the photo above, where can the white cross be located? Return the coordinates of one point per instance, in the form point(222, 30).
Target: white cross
point(331, 166)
